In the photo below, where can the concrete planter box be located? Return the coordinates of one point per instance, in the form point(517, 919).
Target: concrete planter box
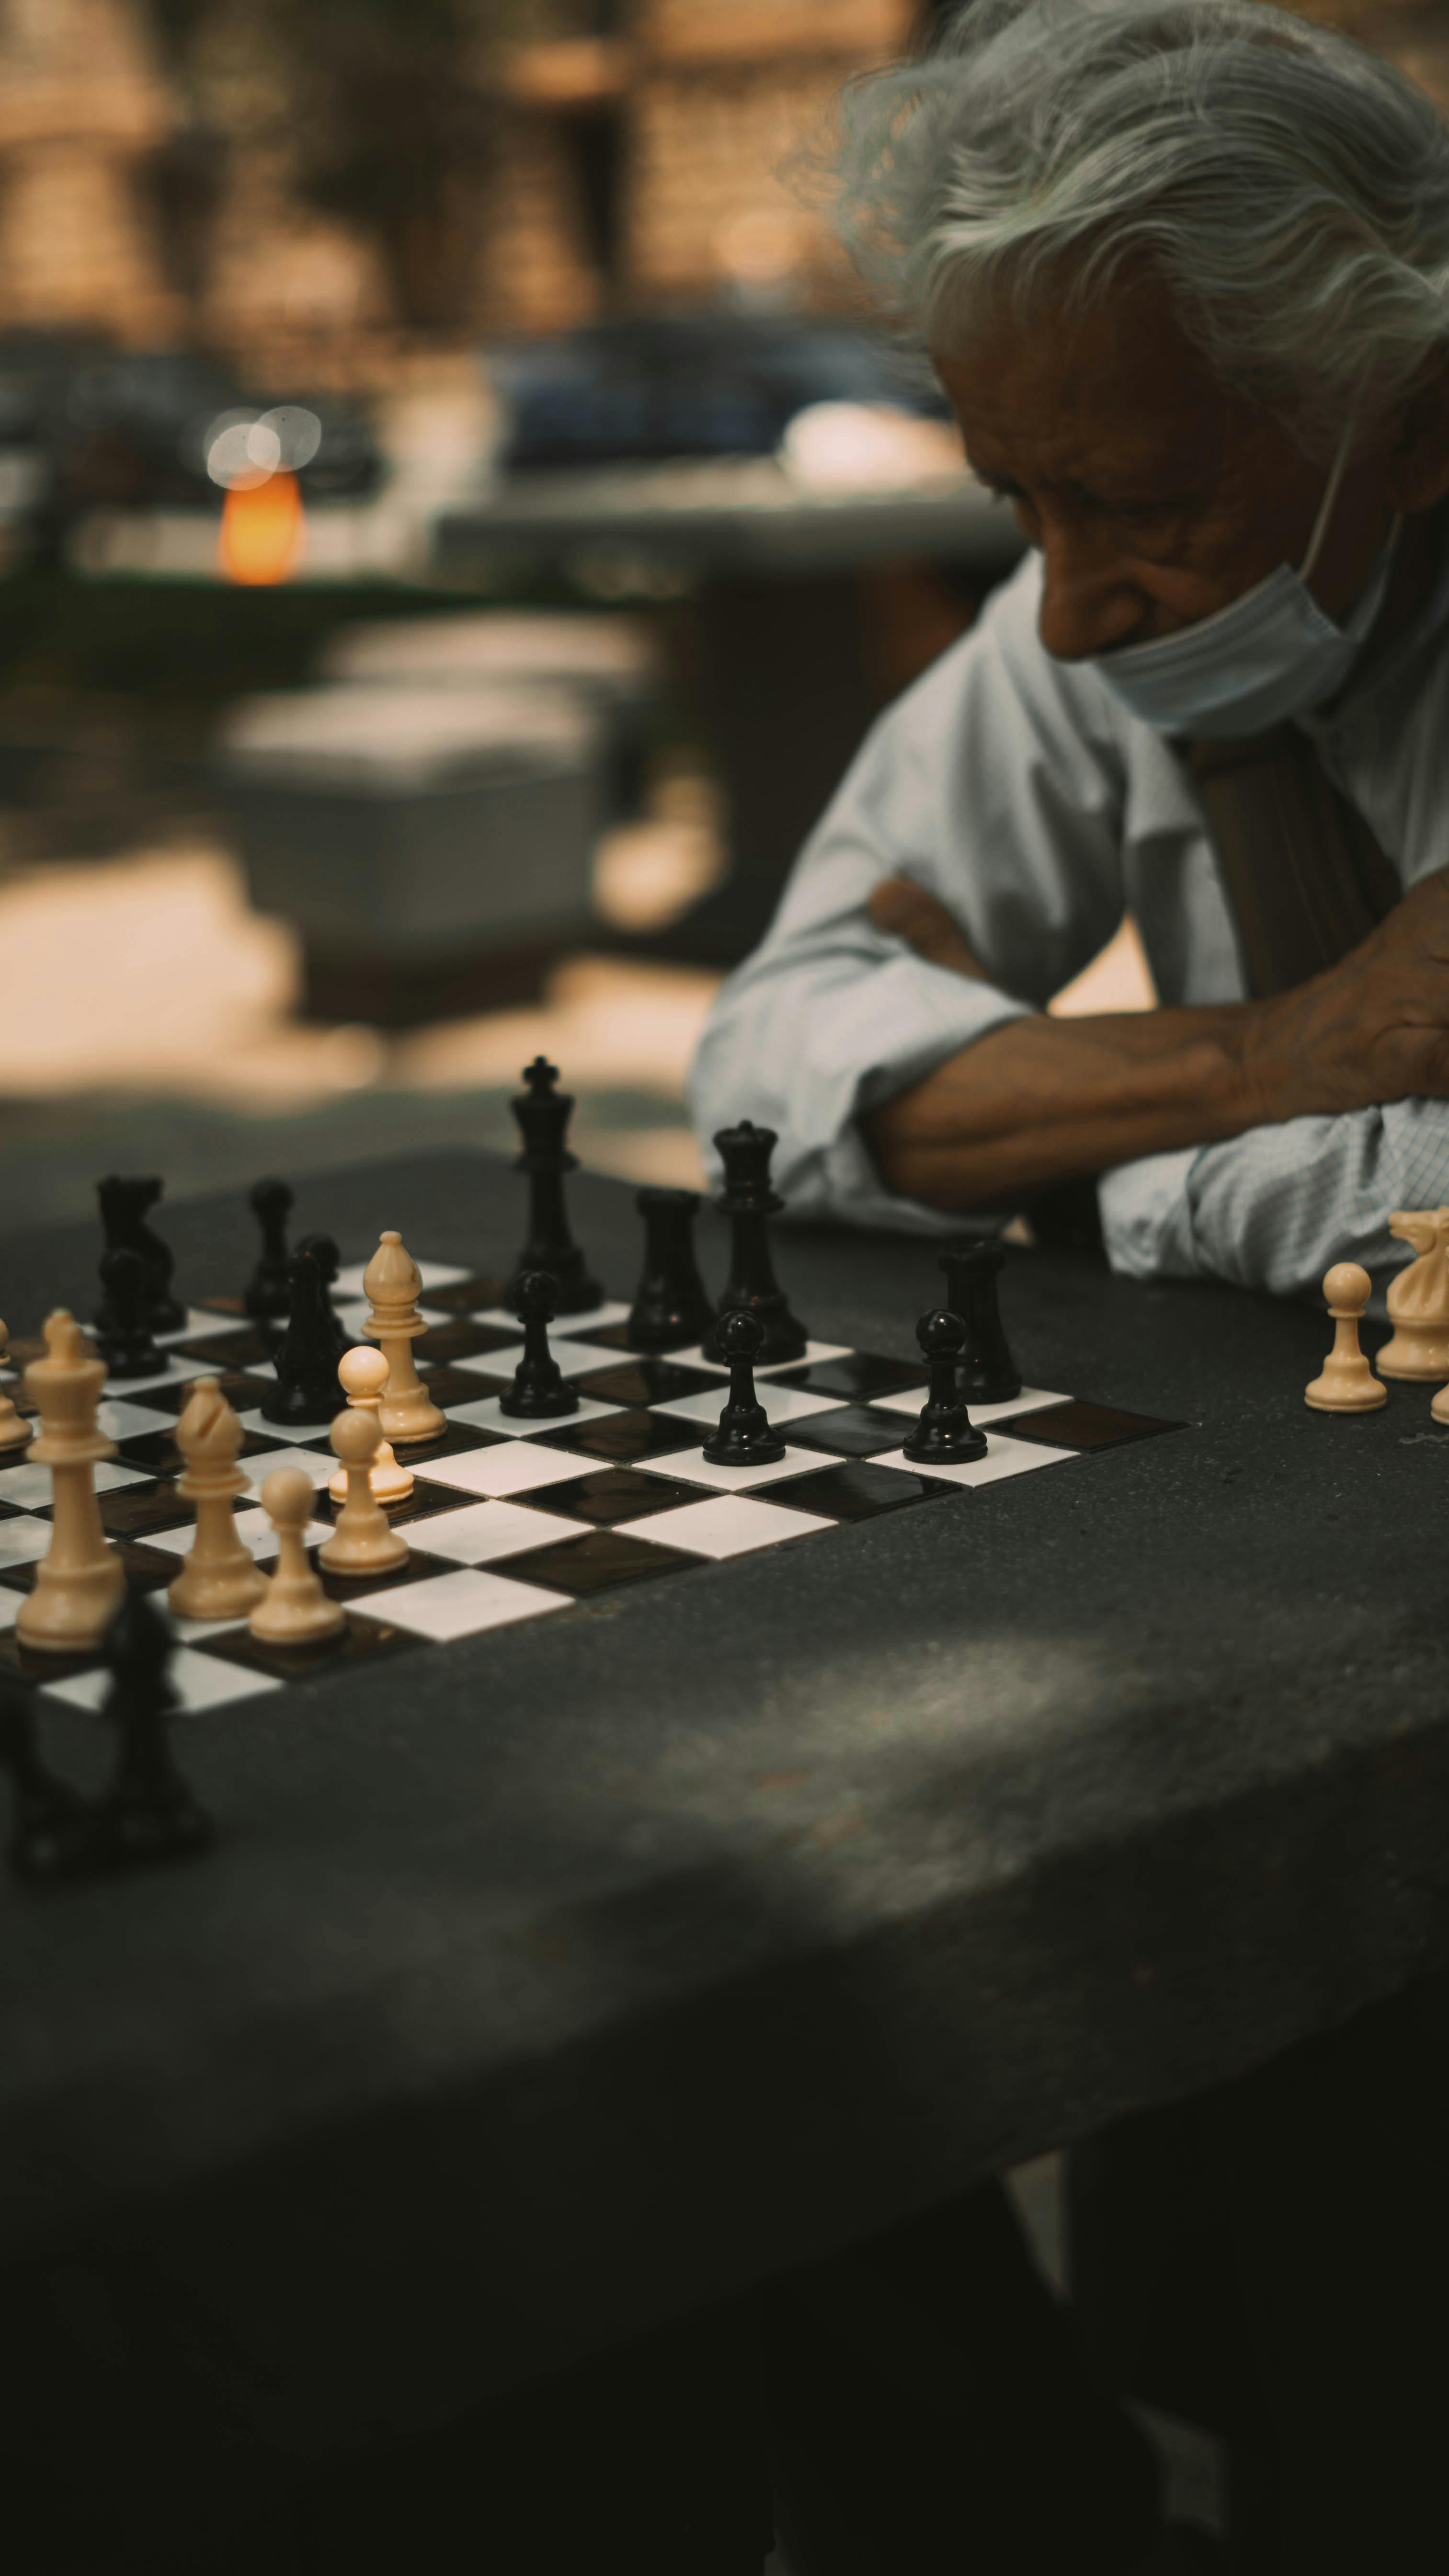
point(433, 848)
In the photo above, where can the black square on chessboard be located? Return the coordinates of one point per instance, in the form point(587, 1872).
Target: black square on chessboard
point(855, 1376)
point(134, 1511)
point(648, 1381)
point(621, 1438)
point(856, 1431)
point(1075, 1425)
point(467, 1297)
point(465, 1340)
point(157, 1452)
point(601, 1562)
point(242, 1393)
point(351, 1587)
point(31, 1664)
point(148, 1568)
point(366, 1640)
point(455, 1442)
point(446, 1385)
point(422, 1504)
point(607, 1495)
point(857, 1490)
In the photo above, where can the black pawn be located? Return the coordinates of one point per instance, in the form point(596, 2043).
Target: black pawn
point(749, 1202)
point(543, 1115)
point(54, 1832)
point(148, 1813)
point(945, 1435)
point(306, 1389)
point(538, 1391)
point(744, 1437)
point(989, 1374)
point(124, 1206)
point(267, 1296)
point(123, 1333)
point(671, 1304)
point(329, 1260)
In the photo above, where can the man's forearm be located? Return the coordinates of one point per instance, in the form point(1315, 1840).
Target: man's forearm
point(1045, 1100)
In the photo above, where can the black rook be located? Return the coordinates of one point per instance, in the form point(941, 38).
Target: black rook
point(749, 1202)
point(989, 1374)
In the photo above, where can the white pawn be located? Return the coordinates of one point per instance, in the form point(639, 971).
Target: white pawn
point(219, 1579)
point(14, 1429)
point(1347, 1383)
point(294, 1610)
point(392, 1281)
point(362, 1542)
point(363, 1373)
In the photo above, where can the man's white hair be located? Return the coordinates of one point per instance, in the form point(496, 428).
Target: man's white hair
point(1290, 189)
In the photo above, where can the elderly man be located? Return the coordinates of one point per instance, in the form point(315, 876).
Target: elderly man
point(1183, 269)
point(1184, 273)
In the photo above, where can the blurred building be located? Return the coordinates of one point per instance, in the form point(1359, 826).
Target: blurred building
point(632, 161)
point(82, 108)
point(637, 164)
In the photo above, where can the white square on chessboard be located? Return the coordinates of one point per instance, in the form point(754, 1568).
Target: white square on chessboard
point(28, 1487)
point(253, 1529)
point(516, 1467)
point(433, 1274)
point(198, 1322)
point(694, 1357)
point(778, 1403)
point(319, 1464)
point(485, 1416)
point(573, 1358)
point(611, 1312)
point(445, 1606)
point(24, 1540)
point(727, 1525)
point(199, 1681)
point(175, 1371)
point(1003, 1457)
point(691, 1467)
point(1030, 1400)
point(121, 1421)
point(482, 1532)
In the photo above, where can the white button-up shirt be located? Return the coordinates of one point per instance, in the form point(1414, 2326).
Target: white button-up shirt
point(1039, 811)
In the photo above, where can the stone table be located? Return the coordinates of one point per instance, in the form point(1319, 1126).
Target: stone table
point(578, 1974)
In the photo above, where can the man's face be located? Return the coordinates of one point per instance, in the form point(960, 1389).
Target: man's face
point(1154, 495)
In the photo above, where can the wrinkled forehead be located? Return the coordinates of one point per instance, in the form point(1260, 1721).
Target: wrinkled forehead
point(1058, 388)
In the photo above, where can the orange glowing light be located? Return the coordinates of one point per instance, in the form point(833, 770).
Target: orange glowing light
point(261, 530)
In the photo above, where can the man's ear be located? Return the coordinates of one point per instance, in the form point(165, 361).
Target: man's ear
point(1417, 473)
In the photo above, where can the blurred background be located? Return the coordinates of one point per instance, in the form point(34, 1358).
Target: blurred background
point(457, 522)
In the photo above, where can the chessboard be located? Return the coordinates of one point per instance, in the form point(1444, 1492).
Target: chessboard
point(512, 1520)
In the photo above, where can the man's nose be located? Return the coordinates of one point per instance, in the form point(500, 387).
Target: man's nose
point(1089, 600)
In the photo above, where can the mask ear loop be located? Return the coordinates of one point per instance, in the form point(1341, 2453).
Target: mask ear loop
point(1325, 507)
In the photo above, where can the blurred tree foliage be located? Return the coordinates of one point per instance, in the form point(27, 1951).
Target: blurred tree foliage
point(385, 112)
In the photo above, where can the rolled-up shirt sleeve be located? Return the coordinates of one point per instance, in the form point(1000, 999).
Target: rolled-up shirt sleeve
point(984, 785)
point(1276, 1207)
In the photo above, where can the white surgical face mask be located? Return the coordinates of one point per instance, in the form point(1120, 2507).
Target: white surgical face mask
point(1270, 654)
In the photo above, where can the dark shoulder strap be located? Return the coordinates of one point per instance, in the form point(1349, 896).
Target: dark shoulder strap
point(1305, 878)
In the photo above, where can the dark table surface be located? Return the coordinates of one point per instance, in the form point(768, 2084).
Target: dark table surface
point(597, 1967)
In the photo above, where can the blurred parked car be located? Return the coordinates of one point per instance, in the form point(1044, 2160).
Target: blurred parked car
point(84, 426)
point(690, 384)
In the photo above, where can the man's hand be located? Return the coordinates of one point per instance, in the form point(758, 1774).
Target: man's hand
point(1374, 1028)
point(1044, 1100)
